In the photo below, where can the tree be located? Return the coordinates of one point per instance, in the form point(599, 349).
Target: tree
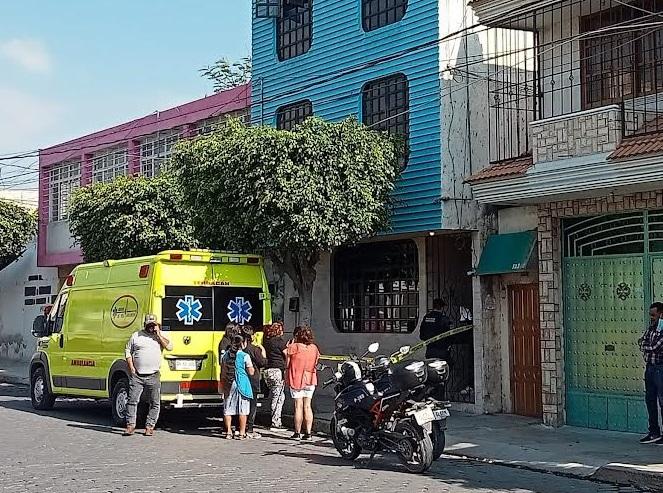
point(18, 226)
point(226, 75)
point(130, 217)
point(290, 195)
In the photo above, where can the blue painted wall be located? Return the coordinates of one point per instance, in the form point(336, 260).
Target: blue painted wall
point(340, 44)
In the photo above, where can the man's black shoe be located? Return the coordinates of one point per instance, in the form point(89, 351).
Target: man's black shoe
point(659, 441)
point(650, 438)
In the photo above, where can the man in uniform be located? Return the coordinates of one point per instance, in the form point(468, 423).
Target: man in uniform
point(436, 322)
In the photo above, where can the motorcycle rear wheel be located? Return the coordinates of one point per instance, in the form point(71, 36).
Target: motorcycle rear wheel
point(421, 457)
point(438, 439)
point(348, 448)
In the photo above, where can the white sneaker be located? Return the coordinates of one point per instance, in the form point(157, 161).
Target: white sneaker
point(255, 434)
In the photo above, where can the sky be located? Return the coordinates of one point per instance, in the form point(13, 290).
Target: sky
point(71, 67)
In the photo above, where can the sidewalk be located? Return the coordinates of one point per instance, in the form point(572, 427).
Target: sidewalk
point(524, 442)
point(12, 371)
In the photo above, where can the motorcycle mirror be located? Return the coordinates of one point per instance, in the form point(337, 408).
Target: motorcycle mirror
point(373, 348)
point(404, 349)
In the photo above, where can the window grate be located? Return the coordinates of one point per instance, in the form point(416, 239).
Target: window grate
point(155, 150)
point(64, 178)
point(294, 28)
point(109, 164)
point(380, 13)
point(386, 104)
point(376, 287)
point(291, 115)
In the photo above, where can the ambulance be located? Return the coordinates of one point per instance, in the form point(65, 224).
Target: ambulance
point(194, 294)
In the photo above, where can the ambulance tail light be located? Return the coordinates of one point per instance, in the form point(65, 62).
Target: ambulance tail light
point(253, 260)
point(175, 256)
point(144, 271)
point(69, 281)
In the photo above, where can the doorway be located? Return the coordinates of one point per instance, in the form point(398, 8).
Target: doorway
point(525, 342)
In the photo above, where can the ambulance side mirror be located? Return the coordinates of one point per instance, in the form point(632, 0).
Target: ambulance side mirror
point(39, 328)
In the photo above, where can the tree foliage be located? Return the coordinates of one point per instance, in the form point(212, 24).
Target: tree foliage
point(289, 194)
point(18, 226)
point(225, 75)
point(130, 217)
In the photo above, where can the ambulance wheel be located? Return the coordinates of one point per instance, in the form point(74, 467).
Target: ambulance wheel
point(42, 399)
point(119, 399)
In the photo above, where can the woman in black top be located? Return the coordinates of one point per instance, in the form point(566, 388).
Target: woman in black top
point(257, 355)
point(275, 345)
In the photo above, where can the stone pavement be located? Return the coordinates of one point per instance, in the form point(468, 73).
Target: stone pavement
point(74, 449)
point(520, 442)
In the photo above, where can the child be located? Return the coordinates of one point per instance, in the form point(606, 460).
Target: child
point(236, 368)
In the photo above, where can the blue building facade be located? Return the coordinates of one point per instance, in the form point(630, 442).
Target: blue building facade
point(323, 56)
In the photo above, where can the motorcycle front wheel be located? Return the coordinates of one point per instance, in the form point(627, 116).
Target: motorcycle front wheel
point(415, 451)
point(438, 439)
point(347, 447)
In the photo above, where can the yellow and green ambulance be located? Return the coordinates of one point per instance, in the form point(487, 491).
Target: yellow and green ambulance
point(194, 294)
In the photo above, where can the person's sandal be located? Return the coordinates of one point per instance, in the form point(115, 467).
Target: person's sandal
point(229, 436)
point(241, 437)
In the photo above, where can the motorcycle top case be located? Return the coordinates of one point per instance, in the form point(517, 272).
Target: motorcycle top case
point(437, 371)
point(409, 375)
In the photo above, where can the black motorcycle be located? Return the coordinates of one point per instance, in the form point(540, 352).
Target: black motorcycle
point(380, 412)
point(431, 392)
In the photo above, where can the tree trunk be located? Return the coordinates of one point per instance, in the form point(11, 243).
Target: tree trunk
point(301, 270)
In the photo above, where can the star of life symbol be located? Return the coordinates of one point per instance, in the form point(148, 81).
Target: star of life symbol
point(239, 310)
point(189, 310)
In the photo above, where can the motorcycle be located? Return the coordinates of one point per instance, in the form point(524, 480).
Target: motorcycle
point(437, 376)
point(375, 409)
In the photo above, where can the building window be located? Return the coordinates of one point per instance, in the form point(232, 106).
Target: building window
point(621, 64)
point(109, 164)
point(294, 28)
point(379, 13)
point(155, 150)
point(291, 115)
point(64, 178)
point(376, 287)
point(385, 106)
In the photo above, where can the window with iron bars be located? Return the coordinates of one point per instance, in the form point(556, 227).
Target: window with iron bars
point(385, 106)
point(64, 178)
point(294, 28)
point(155, 150)
point(623, 64)
point(291, 115)
point(109, 164)
point(380, 13)
point(376, 287)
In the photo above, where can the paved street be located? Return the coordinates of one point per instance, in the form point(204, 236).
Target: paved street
point(73, 448)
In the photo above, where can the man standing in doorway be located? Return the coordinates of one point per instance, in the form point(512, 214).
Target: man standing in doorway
point(651, 345)
point(436, 322)
point(143, 353)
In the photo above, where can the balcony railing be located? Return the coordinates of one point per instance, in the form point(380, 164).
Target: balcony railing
point(595, 61)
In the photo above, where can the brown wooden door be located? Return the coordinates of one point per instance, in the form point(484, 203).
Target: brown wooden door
point(525, 350)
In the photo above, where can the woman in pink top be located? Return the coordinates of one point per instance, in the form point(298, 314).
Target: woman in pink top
point(301, 358)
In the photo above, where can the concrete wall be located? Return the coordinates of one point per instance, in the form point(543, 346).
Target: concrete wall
point(16, 340)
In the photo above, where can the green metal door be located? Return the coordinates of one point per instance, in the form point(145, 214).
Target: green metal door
point(608, 278)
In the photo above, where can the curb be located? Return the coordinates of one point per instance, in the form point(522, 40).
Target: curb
point(629, 475)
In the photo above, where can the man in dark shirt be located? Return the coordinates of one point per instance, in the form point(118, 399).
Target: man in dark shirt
point(436, 322)
point(651, 345)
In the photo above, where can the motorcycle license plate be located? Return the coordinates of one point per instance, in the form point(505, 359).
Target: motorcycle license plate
point(186, 364)
point(440, 414)
point(424, 416)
